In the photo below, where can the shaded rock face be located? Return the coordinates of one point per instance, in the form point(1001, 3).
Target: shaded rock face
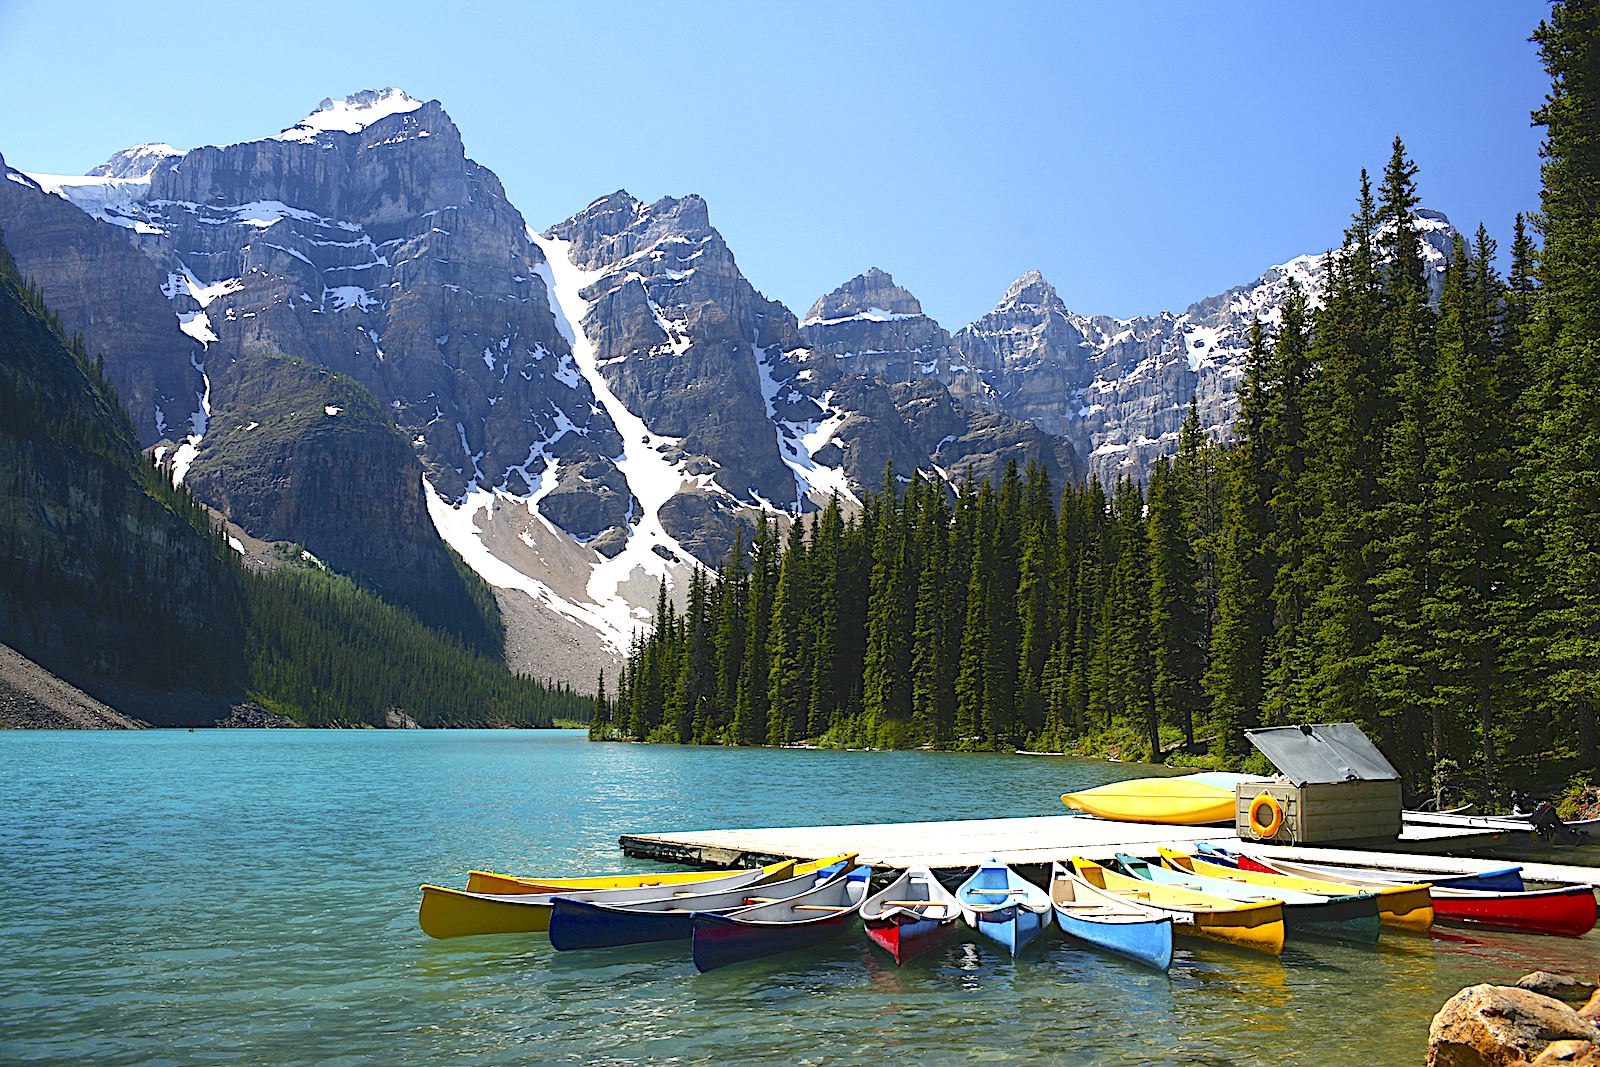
point(680, 336)
point(299, 453)
point(1119, 389)
point(1493, 1026)
point(917, 426)
point(892, 376)
point(103, 288)
point(99, 579)
point(870, 326)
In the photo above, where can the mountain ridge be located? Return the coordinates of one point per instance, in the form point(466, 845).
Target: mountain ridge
point(365, 240)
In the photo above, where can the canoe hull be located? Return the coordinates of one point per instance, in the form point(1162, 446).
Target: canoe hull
point(1564, 913)
point(1352, 917)
point(1502, 879)
point(1144, 942)
point(1014, 931)
point(1109, 922)
point(1169, 801)
point(578, 924)
point(905, 939)
point(830, 909)
point(449, 913)
point(507, 885)
point(1399, 907)
point(1003, 906)
point(1253, 926)
point(1261, 932)
point(910, 915)
point(721, 940)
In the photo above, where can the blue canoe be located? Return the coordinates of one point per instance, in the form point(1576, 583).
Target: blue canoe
point(1105, 920)
point(1353, 918)
point(805, 921)
point(580, 924)
point(1498, 879)
point(1004, 906)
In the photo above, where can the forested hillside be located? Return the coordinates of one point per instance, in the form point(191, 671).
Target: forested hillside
point(1404, 533)
point(114, 578)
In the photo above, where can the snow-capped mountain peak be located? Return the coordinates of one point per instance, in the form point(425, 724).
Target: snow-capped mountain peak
point(134, 163)
point(352, 114)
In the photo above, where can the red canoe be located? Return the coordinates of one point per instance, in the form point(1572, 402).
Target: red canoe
point(1567, 911)
point(912, 915)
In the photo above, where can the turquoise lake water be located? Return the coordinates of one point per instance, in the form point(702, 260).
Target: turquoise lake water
point(249, 897)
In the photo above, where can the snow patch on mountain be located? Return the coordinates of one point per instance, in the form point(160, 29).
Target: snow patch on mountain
point(799, 442)
point(139, 161)
point(651, 477)
point(352, 114)
point(458, 525)
point(107, 199)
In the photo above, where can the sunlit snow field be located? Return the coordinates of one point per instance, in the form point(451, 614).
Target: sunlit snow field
point(249, 897)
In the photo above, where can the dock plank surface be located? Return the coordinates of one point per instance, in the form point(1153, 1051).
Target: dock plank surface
point(968, 842)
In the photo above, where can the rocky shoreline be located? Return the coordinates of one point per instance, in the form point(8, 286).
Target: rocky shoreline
point(1530, 1024)
point(32, 698)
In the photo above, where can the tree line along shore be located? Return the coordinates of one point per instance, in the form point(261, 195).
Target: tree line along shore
point(1400, 534)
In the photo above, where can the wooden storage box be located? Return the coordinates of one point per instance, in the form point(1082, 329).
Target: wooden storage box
point(1318, 812)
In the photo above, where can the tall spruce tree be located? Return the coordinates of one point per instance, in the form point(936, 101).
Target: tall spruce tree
point(1563, 343)
point(1177, 626)
point(1245, 610)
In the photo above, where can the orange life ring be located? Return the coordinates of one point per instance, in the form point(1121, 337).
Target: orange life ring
point(1270, 802)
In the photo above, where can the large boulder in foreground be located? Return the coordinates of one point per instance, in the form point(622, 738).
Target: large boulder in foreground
point(1495, 1026)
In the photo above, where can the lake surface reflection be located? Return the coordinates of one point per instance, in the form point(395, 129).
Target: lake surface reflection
point(249, 897)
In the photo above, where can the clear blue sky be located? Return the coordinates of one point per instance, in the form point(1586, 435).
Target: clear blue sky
point(1141, 156)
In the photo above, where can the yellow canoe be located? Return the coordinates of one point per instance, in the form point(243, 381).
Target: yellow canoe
point(1253, 926)
point(1174, 801)
point(1401, 907)
point(456, 913)
point(509, 885)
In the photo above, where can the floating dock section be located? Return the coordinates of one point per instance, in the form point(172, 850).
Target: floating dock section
point(1044, 839)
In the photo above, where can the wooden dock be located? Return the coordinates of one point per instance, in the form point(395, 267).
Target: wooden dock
point(1030, 842)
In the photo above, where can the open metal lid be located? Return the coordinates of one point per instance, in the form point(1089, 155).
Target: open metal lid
point(1325, 752)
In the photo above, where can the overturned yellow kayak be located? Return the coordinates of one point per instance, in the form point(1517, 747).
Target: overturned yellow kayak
point(1182, 801)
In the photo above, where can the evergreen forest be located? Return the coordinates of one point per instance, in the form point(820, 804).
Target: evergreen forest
point(1403, 531)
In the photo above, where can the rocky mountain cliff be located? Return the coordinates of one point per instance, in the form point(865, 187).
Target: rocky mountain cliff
point(597, 407)
point(123, 271)
point(1119, 389)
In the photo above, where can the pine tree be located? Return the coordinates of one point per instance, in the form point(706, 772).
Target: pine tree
point(1350, 346)
point(1469, 608)
point(1293, 506)
point(1563, 345)
point(829, 676)
point(1177, 626)
point(932, 662)
point(733, 616)
point(972, 698)
point(1037, 609)
point(600, 721)
point(1245, 610)
point(788, 671)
